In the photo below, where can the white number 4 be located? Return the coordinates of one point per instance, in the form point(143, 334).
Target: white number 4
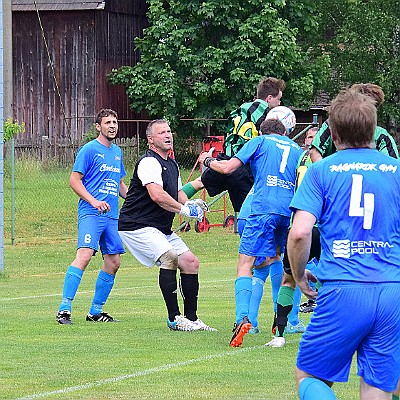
point(355, 209)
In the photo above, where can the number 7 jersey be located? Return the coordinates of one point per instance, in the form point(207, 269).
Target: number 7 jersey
point(355, 196)
point(273, 159)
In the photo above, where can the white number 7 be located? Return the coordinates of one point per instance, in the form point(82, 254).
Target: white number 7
point(355, 209)
point(285, 155)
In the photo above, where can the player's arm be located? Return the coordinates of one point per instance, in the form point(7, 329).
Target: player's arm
point(162, 198)
point(76, 184)
point(315, 155)
point(123, 189)
point(221, 166)
point(298, 247)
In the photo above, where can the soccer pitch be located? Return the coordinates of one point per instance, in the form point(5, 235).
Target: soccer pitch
point(137, 357)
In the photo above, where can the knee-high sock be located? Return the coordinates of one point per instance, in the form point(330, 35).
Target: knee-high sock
point(294, 314)
point(169, 286)
point(260, 275)
point(285, 303)
point(242, 295)
point(276, 272)
point(71, 283)
point(315, 389)
point(104, 284)
point(189, 285)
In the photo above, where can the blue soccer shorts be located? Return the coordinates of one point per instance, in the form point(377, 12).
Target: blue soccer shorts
point(351, 317)
point(99, 230)
point(262, 234)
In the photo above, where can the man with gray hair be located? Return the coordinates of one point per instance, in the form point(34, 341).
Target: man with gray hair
point(154, 197)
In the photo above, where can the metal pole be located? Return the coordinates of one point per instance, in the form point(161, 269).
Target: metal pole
point(1, 143)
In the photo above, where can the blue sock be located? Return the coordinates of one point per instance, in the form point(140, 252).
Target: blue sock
point(276, 273)
point(294, 314)
point(243, 288)
point(72, 280)
point(315, 389)
point(260, 275)
point(104, 284)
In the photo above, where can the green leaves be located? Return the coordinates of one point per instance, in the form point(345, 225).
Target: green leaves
point(201, 59)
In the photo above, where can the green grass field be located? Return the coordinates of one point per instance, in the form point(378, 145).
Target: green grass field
point(138, 357)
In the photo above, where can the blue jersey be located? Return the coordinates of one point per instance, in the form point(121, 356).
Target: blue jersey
point(102, 169)
point(354, 194)
point(273, 160)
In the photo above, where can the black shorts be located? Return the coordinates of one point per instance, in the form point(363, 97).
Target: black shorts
point(238, 183)
point(315, 251)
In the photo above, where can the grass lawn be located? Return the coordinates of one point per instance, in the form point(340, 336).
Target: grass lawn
point(137, 358)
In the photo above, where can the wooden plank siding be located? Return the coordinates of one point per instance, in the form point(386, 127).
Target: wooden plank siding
point(84, 46)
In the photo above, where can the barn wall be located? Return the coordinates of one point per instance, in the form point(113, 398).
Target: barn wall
point(37, 101)
point(115, 33)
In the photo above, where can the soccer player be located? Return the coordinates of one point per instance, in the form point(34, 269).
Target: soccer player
point(349, 195)
point(273, 160)
point(322, 145)
point(243, 124)
point(262, 269)
point(154, 197)
point(97, 179)
point(286, 314)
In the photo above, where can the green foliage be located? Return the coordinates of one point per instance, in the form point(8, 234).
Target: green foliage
point(12, 128)
point(203, 59)
point(91, 134)
point(363, 41)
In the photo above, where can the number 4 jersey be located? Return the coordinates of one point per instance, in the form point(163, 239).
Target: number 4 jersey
point(355, 196)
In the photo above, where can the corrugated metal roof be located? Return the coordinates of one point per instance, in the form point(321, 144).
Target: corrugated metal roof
point(53, 5)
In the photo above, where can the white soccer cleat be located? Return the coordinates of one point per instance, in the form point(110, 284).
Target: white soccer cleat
point(181, 323)
point(199, 325)
point(277, 341)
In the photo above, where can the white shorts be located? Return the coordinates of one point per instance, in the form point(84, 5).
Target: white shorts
point(148, 244)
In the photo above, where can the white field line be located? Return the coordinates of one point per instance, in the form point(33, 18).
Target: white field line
point(138, 374)
point(203, 284)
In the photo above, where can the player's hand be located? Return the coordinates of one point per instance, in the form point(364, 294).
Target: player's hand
point(199, 202)
point(206, 154)
point(101, 206)
point(192, 211)
point(304, 286)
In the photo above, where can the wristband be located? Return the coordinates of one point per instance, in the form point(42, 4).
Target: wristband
point(207, 161)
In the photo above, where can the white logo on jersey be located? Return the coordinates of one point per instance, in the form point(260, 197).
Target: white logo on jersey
point(346, 248)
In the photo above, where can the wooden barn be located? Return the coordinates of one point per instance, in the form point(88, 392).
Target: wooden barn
point(62, 52)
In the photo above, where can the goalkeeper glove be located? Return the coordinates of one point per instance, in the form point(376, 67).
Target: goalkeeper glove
point(192, 211)
point(199, 202)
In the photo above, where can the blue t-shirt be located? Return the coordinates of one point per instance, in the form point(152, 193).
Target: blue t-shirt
point(273, 160)
point(102, 170)
point(355, 196)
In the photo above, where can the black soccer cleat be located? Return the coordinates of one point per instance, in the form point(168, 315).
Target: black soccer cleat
point(64, 317)
point(308, 306)
point(102, 317)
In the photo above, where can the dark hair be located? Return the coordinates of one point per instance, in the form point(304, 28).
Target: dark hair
point(105, 112)
point(271, 126)
point(149, 129)
point(352, 117)
point(270, 86)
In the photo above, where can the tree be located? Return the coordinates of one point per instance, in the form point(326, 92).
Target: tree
point(363, 42)
point(202, 59)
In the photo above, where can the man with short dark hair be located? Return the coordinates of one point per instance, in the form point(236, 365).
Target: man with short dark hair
point(97, 179)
